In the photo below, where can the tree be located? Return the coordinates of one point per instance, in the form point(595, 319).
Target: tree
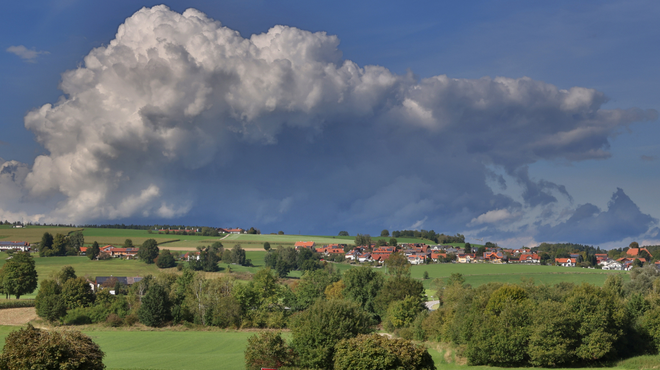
point(397, 264)
point(60, 244)
point(267, 246)
point(128, 243)
point(76, 240)
point(362, 285)
point(46, 245)
point(165, 259)
point(149, 251)
point(385, 233)
point(49, 303)
point(77, 293)
point(468, 248)
point(363, 240)
point(377, 352)
point(343, 233)
point(32, 348)
point(280, 232)
point(393, 242)
point(65, 274)
point(93, 251)
point(425, 276)
point(154, 310)
point(19, 275)
point(238, 255)
point(317, 330)
point(267, 350)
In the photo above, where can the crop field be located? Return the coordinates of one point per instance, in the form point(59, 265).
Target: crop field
point(31, 234)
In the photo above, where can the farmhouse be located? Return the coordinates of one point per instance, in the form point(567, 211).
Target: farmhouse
point(566, 262)
point(494, 257)
point(21, 246)
point(309, 245)
point(611, 265)
point(529, 258)
point(331, 249)
point(120, 252)
point(635, 252)
point(231, 231)
point(109, 282)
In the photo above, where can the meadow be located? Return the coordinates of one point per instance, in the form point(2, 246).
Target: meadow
point(31, 234)
point(174, 349)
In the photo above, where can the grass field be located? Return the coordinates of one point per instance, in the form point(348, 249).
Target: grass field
point(192, 350)
point(31, 234)
point(286, 240)
point(481, 273)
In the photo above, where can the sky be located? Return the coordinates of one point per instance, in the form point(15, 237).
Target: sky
point(514, 122)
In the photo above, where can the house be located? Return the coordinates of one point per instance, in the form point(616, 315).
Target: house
point(382, 253)
point(634, 252)
point(565, 262)
point(331, 249)
point(109, 282)
point(417, 258)
point(529, 258)
point(437, 255)
point(21, 246)
point(494, 257)
point(601, 257)
point(463, 258)
point(191, 255)
point(83, 251)
point(231, 231)
point(308, 245)
point(364, 257)
point(120, 252)
point(611, 265)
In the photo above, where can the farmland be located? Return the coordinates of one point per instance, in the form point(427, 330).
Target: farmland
point(31, 234)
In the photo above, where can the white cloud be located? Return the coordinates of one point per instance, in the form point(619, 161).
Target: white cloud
point(29, 55)
point(178, 112)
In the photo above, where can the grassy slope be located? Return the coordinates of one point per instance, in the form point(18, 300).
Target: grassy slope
point(31, 234)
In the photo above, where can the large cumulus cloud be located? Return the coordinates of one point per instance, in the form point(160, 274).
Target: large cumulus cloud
point(179, 115)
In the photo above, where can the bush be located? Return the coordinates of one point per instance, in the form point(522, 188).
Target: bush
point(130, 319)
point(376, 352)
point(114, 320)
point(267, 350)
point(77, 316)
point(17, 304)
point(32, 348)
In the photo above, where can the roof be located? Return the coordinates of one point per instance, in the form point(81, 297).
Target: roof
point(637, 251)
point(14, 244)
point(305, 244)
point(564, 260)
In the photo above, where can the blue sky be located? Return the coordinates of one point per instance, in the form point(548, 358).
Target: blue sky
point(483, 152)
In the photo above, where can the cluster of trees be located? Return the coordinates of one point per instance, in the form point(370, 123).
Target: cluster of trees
point(18, 275)
point(430, 235)
point(284, 260)
point(61, 245)
point(211, 255)
point(548, 326)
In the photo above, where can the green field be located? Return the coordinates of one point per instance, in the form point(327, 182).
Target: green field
point(31, 234)
point(481, 273)
point(216, 349)
point(286, 240)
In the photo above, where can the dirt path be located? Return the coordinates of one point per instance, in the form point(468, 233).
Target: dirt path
point(17, 316)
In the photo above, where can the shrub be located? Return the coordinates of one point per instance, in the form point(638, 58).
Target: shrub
point(17, 304)
point(114, 320)
point(32, 348)
point(375, 352)
point(267, 350)
point(130, 319)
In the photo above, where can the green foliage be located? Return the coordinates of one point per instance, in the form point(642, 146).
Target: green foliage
point(363, 240)
point(343, 233)
point(504, 295)
point(267, 350)
point(402, 313)
point(32, 348)
point(148, 251)
point(362, 285)
point(93, 251)
point(385, 233)
point(49, 303)
point(376, 352)
point(46, 245)
point(77, 293)
point(165, 259)
point(317, 330)
point(128, 243)
point(18, 276)
point(398, 288)
point(266, 246)
point(260, 301)
point(65, 274)
point(312, 287)
point(17, 304)
point(397, 264)
point(154, 310)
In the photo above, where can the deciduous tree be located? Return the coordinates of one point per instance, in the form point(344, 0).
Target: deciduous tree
point(19, 275)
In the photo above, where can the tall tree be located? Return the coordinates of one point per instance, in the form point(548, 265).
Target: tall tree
point(76, 240)
point(46, 245)
point(154, 310)
point(128, 243)
point(93, 251)
point(397, 264)
point(19, 275)
point(149, 251)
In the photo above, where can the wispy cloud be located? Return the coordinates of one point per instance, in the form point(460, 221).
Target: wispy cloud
point(28, 55)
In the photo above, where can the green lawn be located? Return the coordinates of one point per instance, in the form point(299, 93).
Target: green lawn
point(191, 350)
